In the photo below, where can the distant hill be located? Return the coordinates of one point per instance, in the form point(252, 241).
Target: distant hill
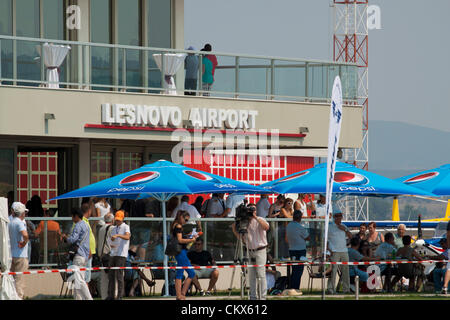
point(397, 149)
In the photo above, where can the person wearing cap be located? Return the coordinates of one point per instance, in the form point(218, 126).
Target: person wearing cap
point(119, 243)
point(18, 236)
point(441, 268)
point(337, 245)
point(256, 242)
point(297, 235)
point(190, 79)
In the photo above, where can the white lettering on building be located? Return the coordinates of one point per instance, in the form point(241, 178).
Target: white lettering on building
point(163, 116)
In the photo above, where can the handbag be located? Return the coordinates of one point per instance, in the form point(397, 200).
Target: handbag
point(105, 256)
point(173, 248)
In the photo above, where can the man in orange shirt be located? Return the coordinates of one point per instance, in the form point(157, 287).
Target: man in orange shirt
point(51, 225)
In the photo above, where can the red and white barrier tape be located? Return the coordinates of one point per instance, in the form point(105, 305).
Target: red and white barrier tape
point(365, 263)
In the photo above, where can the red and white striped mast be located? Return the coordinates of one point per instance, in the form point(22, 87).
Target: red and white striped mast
point(351, 44)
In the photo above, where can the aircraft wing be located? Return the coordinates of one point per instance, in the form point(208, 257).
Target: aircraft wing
point(392, 224)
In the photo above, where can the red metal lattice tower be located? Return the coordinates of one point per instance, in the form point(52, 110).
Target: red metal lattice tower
point(351, 45)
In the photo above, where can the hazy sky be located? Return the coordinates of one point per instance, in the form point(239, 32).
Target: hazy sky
point(409, 57)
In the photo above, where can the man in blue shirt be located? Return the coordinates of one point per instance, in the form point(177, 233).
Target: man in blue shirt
point(19, 244)
point(297, 235)
point(79, 236)
point(190, 79)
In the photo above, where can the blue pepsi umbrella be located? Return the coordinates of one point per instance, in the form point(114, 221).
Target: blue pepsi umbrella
point(348, 180)
point(161, 180)
point(435, 180)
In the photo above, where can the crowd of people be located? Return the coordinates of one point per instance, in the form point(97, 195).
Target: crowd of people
point(110, 242)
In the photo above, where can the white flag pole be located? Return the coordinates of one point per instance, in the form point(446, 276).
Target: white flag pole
point(333, 144)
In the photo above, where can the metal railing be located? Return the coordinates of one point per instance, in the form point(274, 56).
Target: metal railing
point(98, 66)
point(146, 235)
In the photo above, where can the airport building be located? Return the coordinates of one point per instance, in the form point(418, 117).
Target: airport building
point(90, 89)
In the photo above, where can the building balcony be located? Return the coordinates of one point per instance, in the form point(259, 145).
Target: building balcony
point(105, 67)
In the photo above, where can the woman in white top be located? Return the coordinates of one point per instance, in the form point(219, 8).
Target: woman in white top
point(301, 205)
point(102, 207)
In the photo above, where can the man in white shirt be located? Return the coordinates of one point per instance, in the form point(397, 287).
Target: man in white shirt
point(104, 248)
point(319, 207)
point(18, 237)
point(232, 202)
point(262, 206)
point(119, 243)
point(337, 245)
point(256, 242)
point(215, 206)
point(189, 208)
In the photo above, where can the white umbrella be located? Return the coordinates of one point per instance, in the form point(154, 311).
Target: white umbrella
point(8, 288)
point(172, 62)
point(53, 56)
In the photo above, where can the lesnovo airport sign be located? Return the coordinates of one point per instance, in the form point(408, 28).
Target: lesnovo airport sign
point(157, 116)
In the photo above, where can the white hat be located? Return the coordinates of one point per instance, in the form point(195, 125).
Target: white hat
point(19, 207)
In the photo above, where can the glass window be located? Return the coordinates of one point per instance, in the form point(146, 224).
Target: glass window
point(101, 58)
point(159, 23)
point(129, 161)
point(6, 17)
point(101, 166)
point(6, 172)
point(53, 19)
point(100, 21)
point(128, 22)
point(37, 174)
point(27, 15)
point(128, 33)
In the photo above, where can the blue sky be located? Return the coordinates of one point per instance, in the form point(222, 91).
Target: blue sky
point(409, 57)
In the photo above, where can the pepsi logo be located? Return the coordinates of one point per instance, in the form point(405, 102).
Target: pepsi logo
point(141, 177)
point(422, 177)
point(294, 176)
point(350, 178)
point(200, 176)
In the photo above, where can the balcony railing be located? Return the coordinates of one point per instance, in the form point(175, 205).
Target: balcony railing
point(98, 66)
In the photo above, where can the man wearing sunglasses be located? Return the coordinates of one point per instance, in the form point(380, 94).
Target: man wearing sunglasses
point(200, 257)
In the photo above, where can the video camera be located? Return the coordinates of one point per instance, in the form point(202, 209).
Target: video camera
point(243, 216)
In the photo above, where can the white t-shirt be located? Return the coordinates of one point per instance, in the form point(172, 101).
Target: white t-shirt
point(119, 246)
point(321, 209)
point(103, 210)
point(213, 207)
point(303, 208)
point(232, 202)
point(337, 238)
point(262, 207)
point(184, 206)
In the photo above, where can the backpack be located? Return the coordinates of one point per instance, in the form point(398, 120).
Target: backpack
point(204, 208)
point(280, 284)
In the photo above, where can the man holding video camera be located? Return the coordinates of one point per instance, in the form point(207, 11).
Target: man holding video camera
point(252, 229)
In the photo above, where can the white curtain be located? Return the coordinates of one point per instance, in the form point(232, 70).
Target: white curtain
point(172, 63)
point(8, 288)
point(53, 56)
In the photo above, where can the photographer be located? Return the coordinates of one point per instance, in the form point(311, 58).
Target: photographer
point(255, 239)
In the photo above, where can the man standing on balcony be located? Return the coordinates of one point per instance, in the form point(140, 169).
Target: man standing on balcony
point(190, 79)
point(18, 236)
